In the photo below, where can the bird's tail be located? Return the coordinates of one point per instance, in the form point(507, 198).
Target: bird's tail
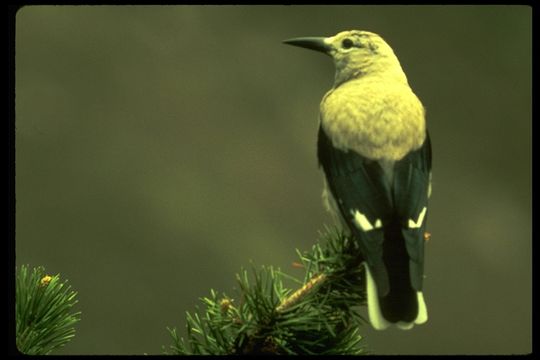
point(396, 301)
point(401, 308)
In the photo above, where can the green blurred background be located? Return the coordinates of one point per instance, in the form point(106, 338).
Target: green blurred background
point(159, 149)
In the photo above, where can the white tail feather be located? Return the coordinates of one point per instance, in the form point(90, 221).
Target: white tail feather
point(376, 318)
point(422, 309)
point(374, 310)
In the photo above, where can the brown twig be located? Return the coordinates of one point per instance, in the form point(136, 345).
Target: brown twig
point(295, 297)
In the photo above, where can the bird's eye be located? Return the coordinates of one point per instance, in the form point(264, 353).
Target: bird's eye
point(347, 43)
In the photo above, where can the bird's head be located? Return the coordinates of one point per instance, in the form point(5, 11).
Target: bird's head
point(356, 53)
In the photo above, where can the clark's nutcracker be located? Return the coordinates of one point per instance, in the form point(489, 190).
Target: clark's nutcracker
point(374, 149)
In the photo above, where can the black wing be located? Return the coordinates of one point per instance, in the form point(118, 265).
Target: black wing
point(395, 196)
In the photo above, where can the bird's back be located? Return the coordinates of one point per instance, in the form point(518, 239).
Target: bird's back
point(376, 117)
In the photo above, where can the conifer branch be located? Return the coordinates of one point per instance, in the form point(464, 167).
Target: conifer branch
point(43, 308)
point(321, 317)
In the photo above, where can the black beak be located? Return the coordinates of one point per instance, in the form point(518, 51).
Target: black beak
point(313, 43)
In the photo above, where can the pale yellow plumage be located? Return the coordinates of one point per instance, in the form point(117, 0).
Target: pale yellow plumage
point(371, 108)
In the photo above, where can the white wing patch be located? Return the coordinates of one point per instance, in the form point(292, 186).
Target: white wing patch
point(363, 223)
point(418, 223)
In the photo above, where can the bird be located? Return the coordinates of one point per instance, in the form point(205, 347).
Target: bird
point(374, 149)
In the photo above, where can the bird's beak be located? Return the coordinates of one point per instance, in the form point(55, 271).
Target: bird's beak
point(313, 43)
